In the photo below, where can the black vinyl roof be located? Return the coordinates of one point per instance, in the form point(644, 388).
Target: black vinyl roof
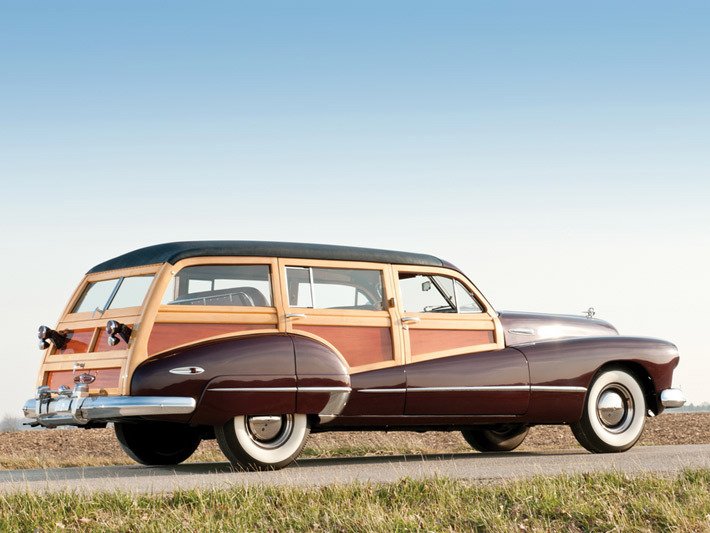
point(173, 252)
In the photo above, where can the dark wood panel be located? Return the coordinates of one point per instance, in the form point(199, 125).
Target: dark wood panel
point(359, 345)
point(102, 344)
point(425, 341)
point(165, 336)
point(77, 341)
point(106, 378)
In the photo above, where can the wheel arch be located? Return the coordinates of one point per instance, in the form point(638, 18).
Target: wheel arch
point(642, 375)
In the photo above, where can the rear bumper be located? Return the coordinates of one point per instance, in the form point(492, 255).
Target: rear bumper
point(78, 411)
point(672, 398)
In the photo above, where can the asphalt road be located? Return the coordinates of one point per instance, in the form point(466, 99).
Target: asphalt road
point(484, 467)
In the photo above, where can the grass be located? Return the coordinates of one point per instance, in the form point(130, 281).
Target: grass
point(597, 502)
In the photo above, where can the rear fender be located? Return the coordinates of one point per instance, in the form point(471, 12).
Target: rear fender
point(244, 375)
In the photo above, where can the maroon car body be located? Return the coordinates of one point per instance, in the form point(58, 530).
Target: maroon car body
point(259, 343)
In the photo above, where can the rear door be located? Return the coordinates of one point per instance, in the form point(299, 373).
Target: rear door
point(345, 305)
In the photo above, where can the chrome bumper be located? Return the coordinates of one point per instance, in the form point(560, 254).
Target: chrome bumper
point(78, 410)
point(672, 398)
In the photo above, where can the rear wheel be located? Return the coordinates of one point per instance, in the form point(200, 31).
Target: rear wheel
point(501, 438)
point(263, 442)
point(614, 413)
point(157, 443)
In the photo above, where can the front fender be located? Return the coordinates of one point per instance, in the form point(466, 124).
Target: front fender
point(562, 370)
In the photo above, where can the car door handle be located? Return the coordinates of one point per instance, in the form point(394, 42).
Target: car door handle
point(296, 316)
point(406, 320)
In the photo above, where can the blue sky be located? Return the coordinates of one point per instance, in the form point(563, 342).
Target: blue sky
point(557, 152)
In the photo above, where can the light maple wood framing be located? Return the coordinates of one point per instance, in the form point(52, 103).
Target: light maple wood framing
point(485, 321)
point(75, 321)
point(344, 317)
point(154, 312)
point(273, 317)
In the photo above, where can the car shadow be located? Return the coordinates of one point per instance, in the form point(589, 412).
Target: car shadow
point(132, 471)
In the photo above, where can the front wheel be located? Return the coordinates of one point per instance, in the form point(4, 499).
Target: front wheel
point(502, 438)
point(263, 442)
point(157, 443)
point(614, 413)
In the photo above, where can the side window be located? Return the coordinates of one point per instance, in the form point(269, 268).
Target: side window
point(116, 293)
point(429, 293)
point(234, 285)
point(335, 288)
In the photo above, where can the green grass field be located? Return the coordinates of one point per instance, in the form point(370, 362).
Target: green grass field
point(600, 502)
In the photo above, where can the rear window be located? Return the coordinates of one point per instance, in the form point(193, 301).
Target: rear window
point(116, 293)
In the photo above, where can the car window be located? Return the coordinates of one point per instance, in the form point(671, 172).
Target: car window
point(230, 285)
point(335, 288)
point(430, 293)
point(116, 293)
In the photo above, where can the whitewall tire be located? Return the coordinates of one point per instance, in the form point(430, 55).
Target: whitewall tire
point(614, 413)
point(263, 442)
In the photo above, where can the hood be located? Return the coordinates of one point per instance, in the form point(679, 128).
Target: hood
point(522, 328)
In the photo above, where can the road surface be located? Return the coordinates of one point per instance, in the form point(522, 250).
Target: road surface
point(482, 467)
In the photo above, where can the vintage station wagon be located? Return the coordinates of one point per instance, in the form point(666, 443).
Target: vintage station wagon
point(258, 343)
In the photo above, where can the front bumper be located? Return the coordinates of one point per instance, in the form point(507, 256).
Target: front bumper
point(672, 398)
point(75, 410)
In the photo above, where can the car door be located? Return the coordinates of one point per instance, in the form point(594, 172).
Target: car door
point(456, 363)
point(345, 305)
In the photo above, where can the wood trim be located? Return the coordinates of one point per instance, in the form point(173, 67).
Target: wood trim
point(102, 344)
point(457, 351)
point(166, 336)
point(79, 341)
point(92, 360)
point(126, 272)
point(434, 341)
point(230, 315)
point(106, 378)
point(357, 370)
point(486, 321)
point(358, 345)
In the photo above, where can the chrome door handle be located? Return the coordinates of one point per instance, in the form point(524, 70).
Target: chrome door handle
point(406, 320)
point(296, 315)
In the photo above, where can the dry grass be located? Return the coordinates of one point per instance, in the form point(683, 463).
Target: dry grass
point(597, 502)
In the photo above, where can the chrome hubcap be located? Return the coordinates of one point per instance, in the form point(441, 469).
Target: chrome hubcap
point(615, 408)
point(269, 431)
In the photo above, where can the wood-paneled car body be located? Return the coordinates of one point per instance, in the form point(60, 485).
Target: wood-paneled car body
point(258, 343)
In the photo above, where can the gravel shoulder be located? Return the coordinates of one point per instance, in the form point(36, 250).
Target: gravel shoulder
point(77, 447)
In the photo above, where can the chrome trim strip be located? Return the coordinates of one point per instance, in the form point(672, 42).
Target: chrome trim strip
point(281, 389)
point(480, 388)
point(672, 398)
point(522, 331)
point(471, 389)
point(555, 388)
point(253, 389)
point(382, 390)
point(324, 389)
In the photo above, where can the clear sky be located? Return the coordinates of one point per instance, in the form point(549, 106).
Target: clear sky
point(558, 152)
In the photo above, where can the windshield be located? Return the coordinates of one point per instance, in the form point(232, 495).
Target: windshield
point(115, 293)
